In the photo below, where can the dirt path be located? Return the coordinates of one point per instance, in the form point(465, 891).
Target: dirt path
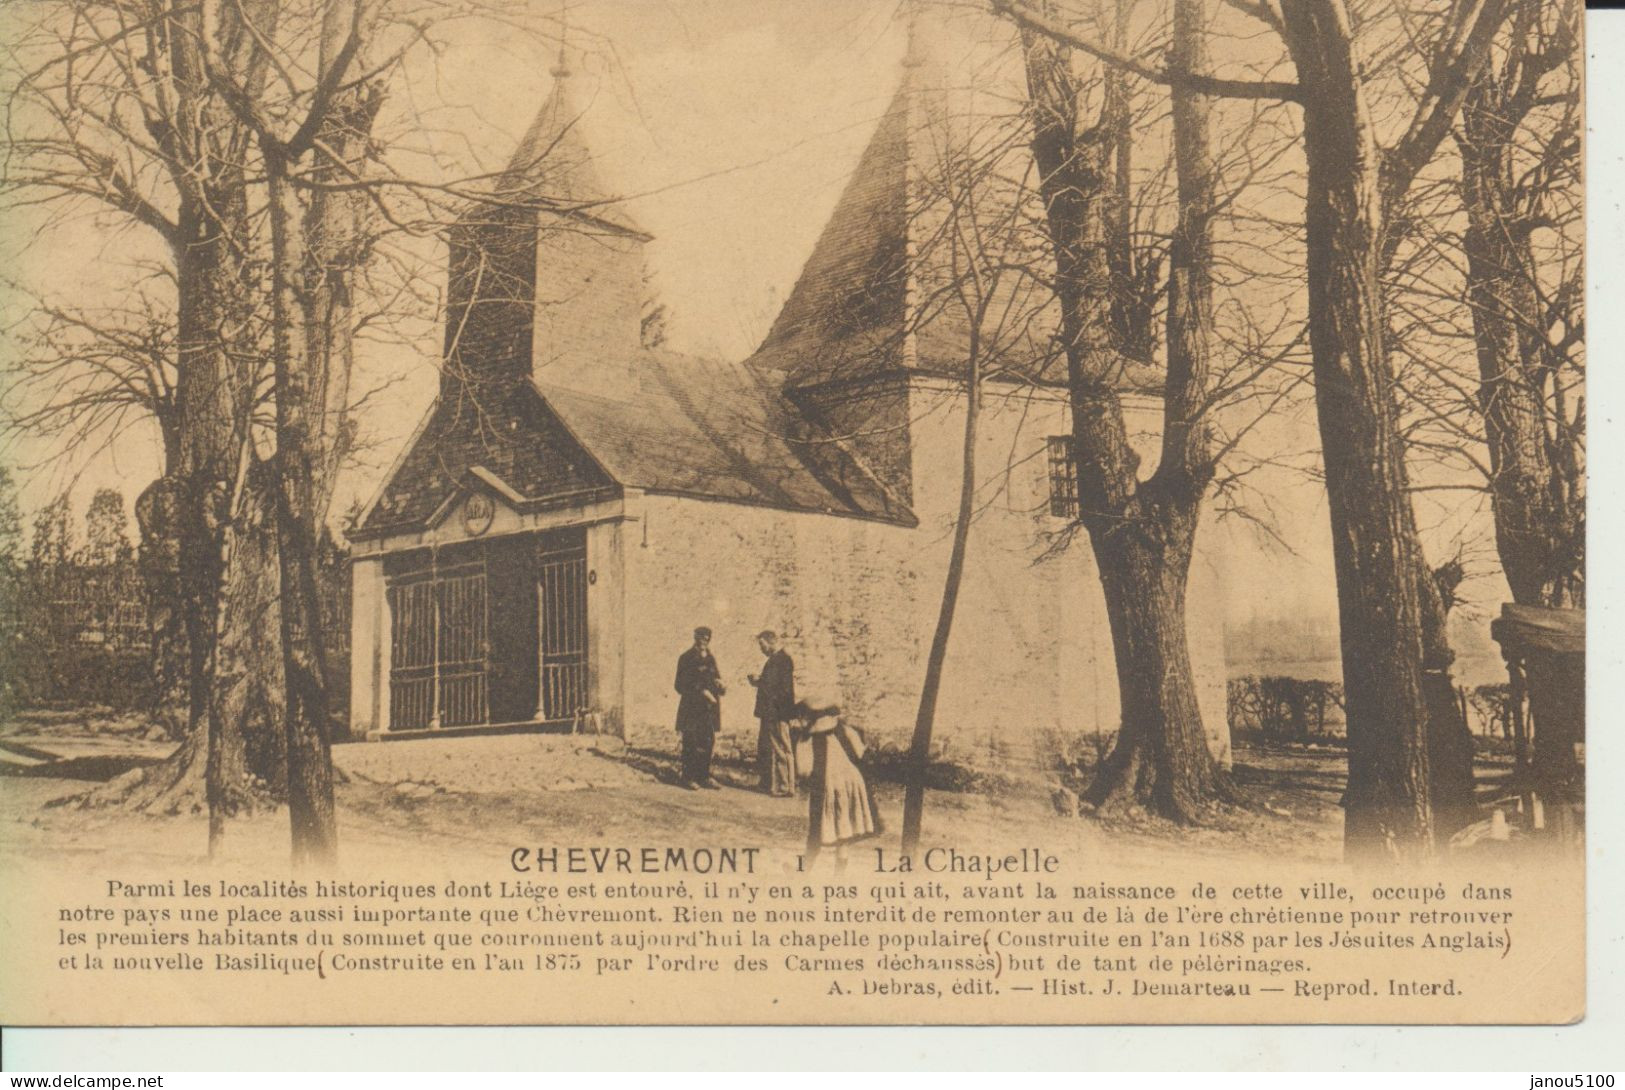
point(449, 797)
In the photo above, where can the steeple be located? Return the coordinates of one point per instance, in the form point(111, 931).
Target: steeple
point(854, 309)
point(553, 165)
point(876, 322)
point(545, 279)
point(850, 331)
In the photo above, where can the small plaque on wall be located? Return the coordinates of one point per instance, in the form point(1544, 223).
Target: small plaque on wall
point(478, 514)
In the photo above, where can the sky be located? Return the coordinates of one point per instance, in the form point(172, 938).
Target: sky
point(731, 126)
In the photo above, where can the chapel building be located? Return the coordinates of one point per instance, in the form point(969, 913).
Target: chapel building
point(575, 503)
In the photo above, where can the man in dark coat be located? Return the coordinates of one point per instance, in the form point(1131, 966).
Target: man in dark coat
point(699, 710)
point(775, 707)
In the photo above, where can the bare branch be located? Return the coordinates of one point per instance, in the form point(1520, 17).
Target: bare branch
point(1026, 17)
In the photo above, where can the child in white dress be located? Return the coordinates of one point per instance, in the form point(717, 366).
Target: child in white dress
point(842, 809)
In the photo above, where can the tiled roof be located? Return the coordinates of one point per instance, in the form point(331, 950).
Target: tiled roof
point(882, 288)
point(722, 431)
point(686, 426)
point(508, 431)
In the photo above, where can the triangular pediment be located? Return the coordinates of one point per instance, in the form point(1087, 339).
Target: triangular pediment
point(508, 445)
point(482, 503)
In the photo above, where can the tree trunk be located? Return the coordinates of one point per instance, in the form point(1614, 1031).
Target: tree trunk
point(207, 440)
point(1538, 527)
point(157, 512)
point(248, 699)
point(1142, 534)
point(305, 715)
point(1160, 761)
point(919, 752)
point(1537, 503)
point(209, 477)
point(315, 257)
point(201, 546)
point(1449, 741)
point(1534, 532)
point(216, 372)
point(1374, 543)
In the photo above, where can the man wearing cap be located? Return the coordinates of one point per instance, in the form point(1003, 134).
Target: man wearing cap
point(699, 710)
point(775, 707)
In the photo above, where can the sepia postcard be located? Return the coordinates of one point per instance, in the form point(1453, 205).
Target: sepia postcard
point(753, 512)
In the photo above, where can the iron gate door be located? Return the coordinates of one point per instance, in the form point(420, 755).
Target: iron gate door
point(561, 595)
point(411, 653)
point(463, 677)
point(439, 653)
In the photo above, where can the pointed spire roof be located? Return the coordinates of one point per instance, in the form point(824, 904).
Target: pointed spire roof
point(554, 165)
point(870, 298)
point(847, 311)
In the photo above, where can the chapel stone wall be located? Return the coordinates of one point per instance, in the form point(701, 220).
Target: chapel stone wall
point(841, 592)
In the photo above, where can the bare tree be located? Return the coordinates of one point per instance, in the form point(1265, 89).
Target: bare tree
point(976, 261)
point(1142, 531)
point(107, 538)
point(1353, 186)
point(271, 193)
point(1383, 581)
point(109, 103)
point(1519, 140)
point(317, 247)
point(1484, 309)
point(85, 375)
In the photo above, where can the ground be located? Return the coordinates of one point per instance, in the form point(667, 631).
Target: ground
point(447, 796)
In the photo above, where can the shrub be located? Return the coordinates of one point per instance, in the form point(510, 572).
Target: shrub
point(1283, 707)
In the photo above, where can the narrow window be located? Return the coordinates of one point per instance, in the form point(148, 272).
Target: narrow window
point(1063, 478)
